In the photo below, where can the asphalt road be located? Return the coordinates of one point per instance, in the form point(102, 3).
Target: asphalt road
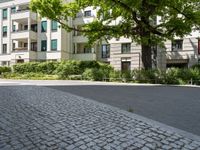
point(175, 106)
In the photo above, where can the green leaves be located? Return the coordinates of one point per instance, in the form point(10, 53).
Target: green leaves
point(133, 17)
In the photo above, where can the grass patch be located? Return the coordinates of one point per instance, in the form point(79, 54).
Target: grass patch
point(130, 110)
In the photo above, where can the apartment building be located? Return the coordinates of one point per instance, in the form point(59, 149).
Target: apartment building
point(27, 37)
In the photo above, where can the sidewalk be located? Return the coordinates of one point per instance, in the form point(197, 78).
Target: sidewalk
point(78, 82)
point(42, 118)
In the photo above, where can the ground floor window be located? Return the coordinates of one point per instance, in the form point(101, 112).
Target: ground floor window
point(5, 63)
point(20, 61)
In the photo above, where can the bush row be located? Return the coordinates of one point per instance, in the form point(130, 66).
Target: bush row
point(5, 70)
point(93, 70)
point(170, 76)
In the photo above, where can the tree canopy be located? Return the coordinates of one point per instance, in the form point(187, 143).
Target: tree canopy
point(135, 19)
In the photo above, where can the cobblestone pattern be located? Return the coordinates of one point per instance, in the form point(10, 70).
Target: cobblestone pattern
point(41, 118)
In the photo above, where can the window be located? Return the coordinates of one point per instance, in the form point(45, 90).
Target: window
point(34, 46)
point(5, 63)
point(4, 49)
point(25, 27)
point(198, 46)
point(34, 27)
point(14, 28)
point(87, 49)
point(44, 45)
point(25, 45)
point(54, 25)
point(5, 13)
point(87, 13)
point(44, 26)
point(4, 31)
point(13, 10)
point(177, 45)
point(105, 51)
point(126, 48)
point(54, 45)
point(13, 46)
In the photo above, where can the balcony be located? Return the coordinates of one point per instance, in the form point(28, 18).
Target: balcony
point(84, 56)
point(83, 19)
point(23, 13)
point(23, 34)
point(20, 49)
point(80, 39)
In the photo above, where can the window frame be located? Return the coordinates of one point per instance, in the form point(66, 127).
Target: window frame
point(177, 45)
point(13, 10)
point(42, 27)
point(128, 48)
point(86, 12)
point(4, 48)
point(43, 50)
point(5, 15)
point(56, 48)
point(106, 53)
point(4, 32)
point(54, 28)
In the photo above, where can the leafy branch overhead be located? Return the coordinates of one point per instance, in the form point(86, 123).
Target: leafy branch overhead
point(179, 17)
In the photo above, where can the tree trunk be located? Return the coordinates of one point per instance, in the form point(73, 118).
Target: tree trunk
point(146, 56)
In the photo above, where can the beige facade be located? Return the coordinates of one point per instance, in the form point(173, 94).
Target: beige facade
point(25, 41)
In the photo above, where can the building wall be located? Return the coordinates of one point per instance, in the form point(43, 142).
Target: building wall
point(67, 43)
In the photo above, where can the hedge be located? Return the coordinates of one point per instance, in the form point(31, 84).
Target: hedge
point(4, 69)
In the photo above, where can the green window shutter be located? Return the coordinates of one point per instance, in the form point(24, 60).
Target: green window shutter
point(43, 26)
point(44, 45)
point(54, 45)
point(5, 13)
point(54, 25)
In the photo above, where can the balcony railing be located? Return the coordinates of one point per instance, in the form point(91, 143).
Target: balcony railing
point(20, 11)
point(24, 49)
point(84, 16)
point(19, 31)
point(20, 49)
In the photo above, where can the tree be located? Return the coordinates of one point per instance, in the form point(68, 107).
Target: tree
point(135, 19)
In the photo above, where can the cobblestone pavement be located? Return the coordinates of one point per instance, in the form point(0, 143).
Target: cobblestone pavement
point(41, 118)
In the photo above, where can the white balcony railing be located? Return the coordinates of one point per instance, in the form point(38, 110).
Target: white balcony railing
point(84, 56)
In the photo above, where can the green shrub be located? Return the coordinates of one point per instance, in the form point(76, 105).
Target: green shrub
point(66, 68)
point(26, 67)
point(126, 76)
point(88, 64)
point(146, 76)
point(106, 69)
point(30, 76)
point(47, 67)
point(93, 74)
point(5, 69)
point(115, 75)
point(171, 76)
point(196, 66)
point(35, 67)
